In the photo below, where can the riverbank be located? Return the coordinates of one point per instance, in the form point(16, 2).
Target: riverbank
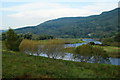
point(112, 51)
point(19, 65)
point(65, 40)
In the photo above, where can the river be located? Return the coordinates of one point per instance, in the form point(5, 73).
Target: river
point(69, 56)
point(114, 61)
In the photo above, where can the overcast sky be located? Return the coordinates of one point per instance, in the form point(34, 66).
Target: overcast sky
point(21, 13)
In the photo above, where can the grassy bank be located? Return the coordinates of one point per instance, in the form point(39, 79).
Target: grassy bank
point(66, 40)
point(72, 40)
point(111, 48)
point(19, 65)
point(111, 51)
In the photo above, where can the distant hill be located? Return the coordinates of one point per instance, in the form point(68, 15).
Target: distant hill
point(103, 25)
point(1, 31)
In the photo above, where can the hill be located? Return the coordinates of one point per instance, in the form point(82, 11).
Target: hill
point(2, 31)
point(95, 26)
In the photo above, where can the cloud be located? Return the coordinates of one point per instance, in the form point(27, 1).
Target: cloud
point(33, 6)
point(37, 12)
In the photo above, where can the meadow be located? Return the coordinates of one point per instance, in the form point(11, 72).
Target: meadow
point(20, 65)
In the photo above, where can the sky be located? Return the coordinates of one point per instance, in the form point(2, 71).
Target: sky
point(22, 13)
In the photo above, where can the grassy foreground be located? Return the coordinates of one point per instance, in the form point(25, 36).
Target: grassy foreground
point(19, 65)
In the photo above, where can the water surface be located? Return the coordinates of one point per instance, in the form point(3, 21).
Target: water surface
point(70, 56)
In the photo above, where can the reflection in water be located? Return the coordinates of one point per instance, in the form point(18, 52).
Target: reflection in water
point(88, 59)
point(86, 41)
point(74, 45)
point(115, 61)
point(80, 58)
point(91, 40)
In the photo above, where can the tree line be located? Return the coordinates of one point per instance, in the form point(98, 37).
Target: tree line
point(13, 40)
point(29, 36)
point(112, 41)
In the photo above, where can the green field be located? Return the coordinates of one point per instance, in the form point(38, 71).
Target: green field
point(112, 51)
point(19, 65)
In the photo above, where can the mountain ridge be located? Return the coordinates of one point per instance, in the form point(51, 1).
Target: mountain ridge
point(77, 26)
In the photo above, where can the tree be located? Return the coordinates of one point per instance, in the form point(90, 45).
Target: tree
point(54, 48)
point(87, 53)
point(3, 36)
point(44, 37)
point(29, 47)
point(83, 52)
point(117, 37)
point(20, 36)
point(107, 41)
point(12, 41)
point(28, 36)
